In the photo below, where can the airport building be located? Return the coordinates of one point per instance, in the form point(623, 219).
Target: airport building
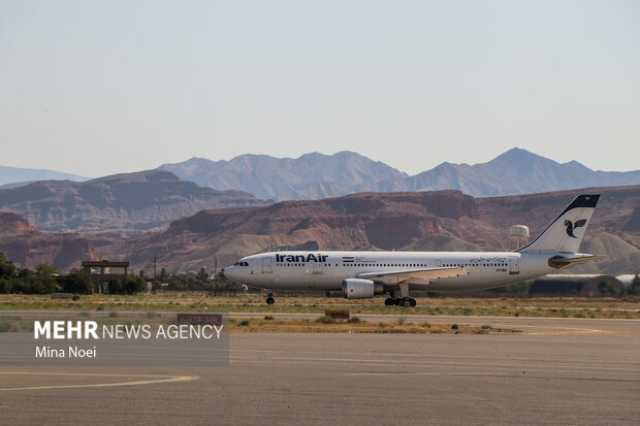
point(104, 271)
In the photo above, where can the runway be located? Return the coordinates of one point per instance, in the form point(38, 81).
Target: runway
point(556, 372)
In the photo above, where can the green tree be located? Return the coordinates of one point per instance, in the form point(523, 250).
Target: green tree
point(130, 284)
point(7, 268)
point(202, 275)
point(77, 282)
point(21, 283)
point(116, 287)
point(6, 285)
point(43, 280)
point(134, 284)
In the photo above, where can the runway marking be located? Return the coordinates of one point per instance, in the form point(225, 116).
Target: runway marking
point(511, 375)
point(157, 380)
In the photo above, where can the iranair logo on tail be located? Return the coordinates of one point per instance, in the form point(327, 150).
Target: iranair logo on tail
point(572, 227)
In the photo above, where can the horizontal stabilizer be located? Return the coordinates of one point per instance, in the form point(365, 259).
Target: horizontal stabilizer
point(563, 261)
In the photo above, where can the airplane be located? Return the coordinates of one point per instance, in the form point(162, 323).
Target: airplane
point(366, 274)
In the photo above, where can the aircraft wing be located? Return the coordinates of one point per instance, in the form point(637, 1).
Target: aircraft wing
point(414, 276)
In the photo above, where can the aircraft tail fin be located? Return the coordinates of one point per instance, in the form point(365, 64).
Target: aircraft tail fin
point(565, 233)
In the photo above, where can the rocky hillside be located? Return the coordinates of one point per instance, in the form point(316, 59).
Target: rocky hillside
point(13, 224)
point(315, 176)
point(134, 201)
point(28, 247)
point(441, 220)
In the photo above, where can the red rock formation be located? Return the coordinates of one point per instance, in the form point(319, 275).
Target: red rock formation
point(442, 220)
point(28, 247)
point(11, 224)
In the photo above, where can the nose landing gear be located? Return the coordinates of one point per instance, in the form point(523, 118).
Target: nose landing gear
point(270, 299)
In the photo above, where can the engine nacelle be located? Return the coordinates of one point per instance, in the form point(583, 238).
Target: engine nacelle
point(358, 288)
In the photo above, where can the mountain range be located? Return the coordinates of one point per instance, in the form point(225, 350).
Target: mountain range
point(124, 202)
point(14, 176)
point(311, 176)
point(315, 176)
point(154, 198)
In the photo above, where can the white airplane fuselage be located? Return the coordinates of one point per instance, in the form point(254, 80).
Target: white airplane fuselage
point(361, 274)
point(327, 270)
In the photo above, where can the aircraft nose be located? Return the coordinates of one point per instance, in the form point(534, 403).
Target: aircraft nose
point(228, 272)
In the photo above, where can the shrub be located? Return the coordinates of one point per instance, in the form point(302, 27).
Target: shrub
point(268, 317)
point(7, 268)
point(115, 287)
point(40, 281)
point(326, 320)
point(5, 286)
point(133, 284)
point(44, 280)
point(454, 326)
point(244, 323)
point(76, 282)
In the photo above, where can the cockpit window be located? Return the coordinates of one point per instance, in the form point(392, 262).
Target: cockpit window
point(241, 264)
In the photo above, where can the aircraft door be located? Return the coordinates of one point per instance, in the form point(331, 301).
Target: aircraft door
point(267, 265)
point(514, 266)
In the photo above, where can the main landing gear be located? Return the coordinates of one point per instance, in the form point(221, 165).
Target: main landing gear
point(405, 302)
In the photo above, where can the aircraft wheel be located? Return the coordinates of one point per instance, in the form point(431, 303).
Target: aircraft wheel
point(407, 302)
point(390, 301)
point(270, 300)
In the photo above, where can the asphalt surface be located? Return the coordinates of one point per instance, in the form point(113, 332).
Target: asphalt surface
point(557, 371)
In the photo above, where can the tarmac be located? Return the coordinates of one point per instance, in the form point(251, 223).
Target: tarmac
point(555, 372)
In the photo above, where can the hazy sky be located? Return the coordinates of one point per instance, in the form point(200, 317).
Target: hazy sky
point(97, 87)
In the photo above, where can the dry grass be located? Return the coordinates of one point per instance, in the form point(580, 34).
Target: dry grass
point(320, 325)
point(628, 308)
point(310, 326)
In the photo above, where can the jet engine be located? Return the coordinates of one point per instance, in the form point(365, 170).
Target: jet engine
point(358, 288)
